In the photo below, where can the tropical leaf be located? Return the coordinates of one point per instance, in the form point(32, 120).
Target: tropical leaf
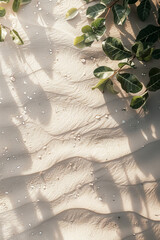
point(103, 72)
point(154, 83)
point(95, 11)
point(149, 34)
point(71, 13)
point(139, 101)
point(143, 10)
point(114, 49)
point(16, 5)
point(129, 82)
point(156, 54)
point(120, 14)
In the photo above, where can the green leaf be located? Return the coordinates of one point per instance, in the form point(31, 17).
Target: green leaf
point(150, 34)
point(139, 101)
point(101, 85)
point(120, 14)
point(98, 27)
point(143, 51)
point(154, 83)
point(114, 49)
point(16, 5)
point(89, 37)
point(143, 10)
point(71, 13)
point(103, 72)
point(129, 82)
point(79, 41)
point(130, 64)
point(2, 11)
point(86, 29)
point(3, 33)
point(156, 54)
point(16, 38)
point(110, 87)
point(95, 11)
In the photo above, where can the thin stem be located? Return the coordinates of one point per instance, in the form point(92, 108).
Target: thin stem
point(109, 8)
point(5, 26)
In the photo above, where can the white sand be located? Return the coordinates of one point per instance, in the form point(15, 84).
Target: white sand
point(74, 166)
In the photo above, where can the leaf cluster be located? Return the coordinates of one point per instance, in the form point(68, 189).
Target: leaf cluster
point(143, 48)
point(3, 29)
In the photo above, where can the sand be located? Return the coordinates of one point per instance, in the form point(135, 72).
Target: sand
point(74, 166)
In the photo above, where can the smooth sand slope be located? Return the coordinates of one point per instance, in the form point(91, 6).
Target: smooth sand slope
point(73, 165)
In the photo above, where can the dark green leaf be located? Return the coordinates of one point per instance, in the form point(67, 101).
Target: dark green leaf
point(103, 72)
point(120, 14)
point(129, 82)
point(150, 34)
point(114, 49)
point(156, 54)
point(144, 9)
point(95, 11)
point(139, 101)
point(143, 51)
point(154, 83)
point(16, 5)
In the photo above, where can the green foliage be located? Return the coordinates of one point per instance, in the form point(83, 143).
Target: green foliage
point(91, 33)
point(143, 48)
point(114, 49)
point(3, 29)
point(72, 13)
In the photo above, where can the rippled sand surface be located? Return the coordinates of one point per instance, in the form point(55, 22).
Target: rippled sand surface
point(74, 164)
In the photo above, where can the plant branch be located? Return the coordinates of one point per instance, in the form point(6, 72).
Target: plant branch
point(109, 8)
